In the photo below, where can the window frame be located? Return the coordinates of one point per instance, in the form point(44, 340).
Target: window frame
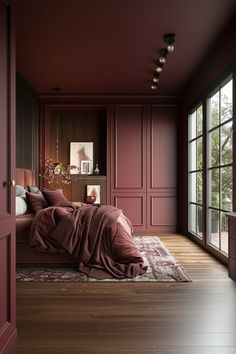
point(230, 74)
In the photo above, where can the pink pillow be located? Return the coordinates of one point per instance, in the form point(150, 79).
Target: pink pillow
point(35, 201)
point(55, 197)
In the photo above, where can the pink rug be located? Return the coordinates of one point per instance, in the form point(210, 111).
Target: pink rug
point(162, 267)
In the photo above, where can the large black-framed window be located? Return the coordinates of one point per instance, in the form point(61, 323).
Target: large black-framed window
point(210, 167)
point(195, 171)
point(219, 142)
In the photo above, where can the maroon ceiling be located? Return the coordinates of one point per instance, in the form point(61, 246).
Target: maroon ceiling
point(109, 46)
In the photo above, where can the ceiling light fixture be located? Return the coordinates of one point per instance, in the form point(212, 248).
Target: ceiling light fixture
point(169, 40)
point(159, 69)
point(164, 53)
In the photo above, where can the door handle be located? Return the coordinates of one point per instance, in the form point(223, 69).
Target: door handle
point(12, 183)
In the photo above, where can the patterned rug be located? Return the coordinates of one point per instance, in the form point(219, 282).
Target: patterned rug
point(162, 267)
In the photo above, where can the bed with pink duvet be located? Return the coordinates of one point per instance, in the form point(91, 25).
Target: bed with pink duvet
point(96, 238)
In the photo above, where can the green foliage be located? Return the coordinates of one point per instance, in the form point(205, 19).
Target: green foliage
point(220, 151)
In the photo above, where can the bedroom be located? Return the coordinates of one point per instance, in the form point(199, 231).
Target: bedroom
point(115, 72)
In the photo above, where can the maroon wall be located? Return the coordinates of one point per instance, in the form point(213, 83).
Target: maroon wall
point(220, 61)
point(141, 154)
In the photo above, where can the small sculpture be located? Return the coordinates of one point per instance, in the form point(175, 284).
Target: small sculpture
point(96, 170)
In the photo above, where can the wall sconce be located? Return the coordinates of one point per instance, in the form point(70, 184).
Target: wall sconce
point(169, 40)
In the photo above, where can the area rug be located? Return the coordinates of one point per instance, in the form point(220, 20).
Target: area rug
point(162, 267)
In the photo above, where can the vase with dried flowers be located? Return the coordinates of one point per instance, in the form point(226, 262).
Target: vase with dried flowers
point(55, 173)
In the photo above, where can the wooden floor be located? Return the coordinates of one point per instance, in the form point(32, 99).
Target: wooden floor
point(138, 318)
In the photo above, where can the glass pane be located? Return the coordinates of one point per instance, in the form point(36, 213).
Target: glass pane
point(214, 222)
point(199, 187)
point(214, 111)
point(192, 126)
point(214, 184)
point(199, 120)
point(192, 187)
point(227, 188)
point(227, 143)
point(199, 153)
point(214, 148)
point(224, 233)
point(199, 221)
point(192, 218)
point(227, 102)
point(192, 155)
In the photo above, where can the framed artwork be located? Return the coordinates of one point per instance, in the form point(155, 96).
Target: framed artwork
point(85, 167)
point(80, 153)
point(94, 190)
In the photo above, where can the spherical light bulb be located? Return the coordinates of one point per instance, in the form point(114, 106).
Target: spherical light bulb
point(162, 60)
point(153, 87)
point(158, 69)
point(155, 79)
point(170, 48)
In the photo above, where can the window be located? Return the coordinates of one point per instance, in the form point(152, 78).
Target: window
point(210, 167)
point(195, 171)
point(219, 164)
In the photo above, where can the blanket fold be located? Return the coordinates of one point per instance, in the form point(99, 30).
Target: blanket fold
point(98, 237)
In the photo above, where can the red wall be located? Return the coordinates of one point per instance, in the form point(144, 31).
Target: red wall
point(220, 60)
point(141, 156)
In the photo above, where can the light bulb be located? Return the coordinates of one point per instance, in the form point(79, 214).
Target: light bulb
point(155, 79)
point(153, 87)
point(162, 60)
point(158, 69)
point(170, 48)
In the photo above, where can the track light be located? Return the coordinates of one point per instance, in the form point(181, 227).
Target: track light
point(163, 56)
point(159, 69)
point(169, 40)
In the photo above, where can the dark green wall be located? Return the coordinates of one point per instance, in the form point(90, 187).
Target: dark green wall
point(27, 126)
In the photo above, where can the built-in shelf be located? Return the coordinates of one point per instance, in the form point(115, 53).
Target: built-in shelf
point(78, 188)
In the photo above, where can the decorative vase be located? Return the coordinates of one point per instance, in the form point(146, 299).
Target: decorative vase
point(96, 170)
point(90, 199)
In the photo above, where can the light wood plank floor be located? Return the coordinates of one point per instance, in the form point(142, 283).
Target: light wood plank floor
point(133, 318)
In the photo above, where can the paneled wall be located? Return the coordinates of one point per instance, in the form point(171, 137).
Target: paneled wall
point(63, 124)
point(27, 126)
point(128, 162)
point(135, 145)
point(162, 168)
point(143, 165)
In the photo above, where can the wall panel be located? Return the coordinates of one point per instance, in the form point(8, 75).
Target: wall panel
point(129, 155)
point(161, 213)
point(162, 143)
point(27, 126)
point(134, 206)
point(144, 155)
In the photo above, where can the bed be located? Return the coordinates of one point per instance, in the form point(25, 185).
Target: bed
point(24, 253)
point(51, 229)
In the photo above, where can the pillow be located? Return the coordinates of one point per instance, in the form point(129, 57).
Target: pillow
point(32, 189)
point(20, 191)
point(35, 201)
point(21, 206)
point(55, 197)
point(35, 189)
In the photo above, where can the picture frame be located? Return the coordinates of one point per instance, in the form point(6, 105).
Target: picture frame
point(85, 167)
point(81, 151)
point(94, 190)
